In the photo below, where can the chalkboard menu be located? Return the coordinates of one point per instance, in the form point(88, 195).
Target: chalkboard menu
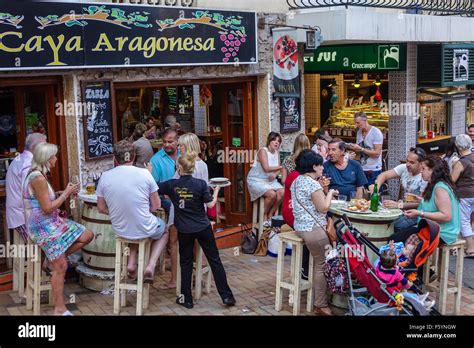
point(172, 93)
point(290, 119)
point(98, 136)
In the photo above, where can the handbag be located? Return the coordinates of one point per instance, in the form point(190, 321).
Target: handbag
point(262, 246)
point(249, 240)
point(335, 272)
point(330, 231)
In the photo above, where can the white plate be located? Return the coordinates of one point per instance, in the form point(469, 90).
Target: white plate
point(357, 212)
point(219, 180)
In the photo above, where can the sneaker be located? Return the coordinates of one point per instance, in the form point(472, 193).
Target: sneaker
point(229, 301)
point(186, 304)
point(267, 223)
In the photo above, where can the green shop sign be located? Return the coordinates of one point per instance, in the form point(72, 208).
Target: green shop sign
point(357, 58)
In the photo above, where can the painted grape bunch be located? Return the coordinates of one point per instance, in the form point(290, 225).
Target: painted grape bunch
point(232, 44)
point(286, 52)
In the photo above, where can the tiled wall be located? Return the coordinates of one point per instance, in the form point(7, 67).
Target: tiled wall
point(402, 128)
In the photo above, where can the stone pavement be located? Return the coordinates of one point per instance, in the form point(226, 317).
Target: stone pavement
point(251, 278)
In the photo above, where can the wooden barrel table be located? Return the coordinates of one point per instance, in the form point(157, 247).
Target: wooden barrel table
point(98, 267)
point(378, 226)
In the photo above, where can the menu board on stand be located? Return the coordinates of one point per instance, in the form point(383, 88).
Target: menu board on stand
point(97, 121)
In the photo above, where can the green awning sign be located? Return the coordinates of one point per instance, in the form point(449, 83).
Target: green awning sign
point(357, 58)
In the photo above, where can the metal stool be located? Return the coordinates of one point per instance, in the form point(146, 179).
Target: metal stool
point(198, 272)
point(257, 215)
point(121, 285)
point(295, 284)
point(36, 281)
point(440, 285)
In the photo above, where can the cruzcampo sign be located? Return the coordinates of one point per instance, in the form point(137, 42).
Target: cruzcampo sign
point(45, 35)
point(357, 58)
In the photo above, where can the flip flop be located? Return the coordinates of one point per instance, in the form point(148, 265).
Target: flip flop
point(132, 276)
point(67, 314)
point(149, 280)
point(320, 312)
point(167, 287)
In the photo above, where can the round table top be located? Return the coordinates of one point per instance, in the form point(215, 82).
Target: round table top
point(85, 197)
point(382, 215)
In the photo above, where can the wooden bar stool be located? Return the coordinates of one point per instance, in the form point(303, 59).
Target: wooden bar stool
point(220, 215)
point(198, 273)
point(257, 215)
point(295, 284)
point(19, 265)
point(36, 281)
point(440, 285)
point(121, 274)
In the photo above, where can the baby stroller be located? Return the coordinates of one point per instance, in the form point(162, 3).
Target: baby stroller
point(373, 298)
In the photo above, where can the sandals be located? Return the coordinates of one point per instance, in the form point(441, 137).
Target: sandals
point(321, 312)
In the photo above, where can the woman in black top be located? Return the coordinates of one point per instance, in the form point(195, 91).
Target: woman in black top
point(188, 196)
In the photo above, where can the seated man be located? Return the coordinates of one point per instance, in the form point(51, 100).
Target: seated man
point(346, 175)
point(129, 195)
point(412, 184)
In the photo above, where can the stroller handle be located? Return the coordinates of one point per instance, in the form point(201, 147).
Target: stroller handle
point(346, 220)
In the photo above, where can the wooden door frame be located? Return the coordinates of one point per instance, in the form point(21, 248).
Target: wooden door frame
point(249, 138)
point(54, 94)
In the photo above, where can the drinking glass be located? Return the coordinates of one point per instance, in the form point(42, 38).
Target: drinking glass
point(353, 195)
point(342, 200)
point(384, 198)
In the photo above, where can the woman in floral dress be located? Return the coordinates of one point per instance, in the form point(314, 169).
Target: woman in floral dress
point(57, 237)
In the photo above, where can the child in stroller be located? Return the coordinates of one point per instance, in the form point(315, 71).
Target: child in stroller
point(387, 271)
point(373, 297)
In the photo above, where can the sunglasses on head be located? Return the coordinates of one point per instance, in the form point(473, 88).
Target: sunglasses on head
point(418, 151)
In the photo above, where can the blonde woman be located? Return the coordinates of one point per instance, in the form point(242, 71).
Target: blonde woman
point(191, 195)
point(56, 236)
point(301, 143)
point(189, 144)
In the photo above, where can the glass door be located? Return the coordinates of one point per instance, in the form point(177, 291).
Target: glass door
point(25, 110)
point(238, 149)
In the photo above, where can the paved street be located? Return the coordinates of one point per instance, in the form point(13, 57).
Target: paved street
point(251, 278)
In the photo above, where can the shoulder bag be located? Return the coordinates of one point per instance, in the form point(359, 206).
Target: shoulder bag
point(331, 232)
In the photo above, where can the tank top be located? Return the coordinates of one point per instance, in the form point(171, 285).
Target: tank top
point(465, 183)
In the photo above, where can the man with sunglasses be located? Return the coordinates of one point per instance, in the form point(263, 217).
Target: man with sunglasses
point(411, 182)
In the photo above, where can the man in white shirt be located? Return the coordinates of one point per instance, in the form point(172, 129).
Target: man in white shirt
point(129, 195)
point(412, 184)
point(369, 146)
point(17, 171)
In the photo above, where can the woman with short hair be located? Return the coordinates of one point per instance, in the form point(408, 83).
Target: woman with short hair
point(310, 206)
point(57, 237)
point(463, 175)
point(262, 177)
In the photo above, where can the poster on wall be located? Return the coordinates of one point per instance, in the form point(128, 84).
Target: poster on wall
point(461, 65)
point(285, 63)
point(58, 35)
point(290, 118)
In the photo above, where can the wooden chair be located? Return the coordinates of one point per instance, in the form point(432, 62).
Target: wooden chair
point(440, 285)
point(295, 283)
point(36, 281)
point(198, 273)
point(121, 274)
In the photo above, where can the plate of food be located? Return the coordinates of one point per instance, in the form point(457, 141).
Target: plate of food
point(358, 206)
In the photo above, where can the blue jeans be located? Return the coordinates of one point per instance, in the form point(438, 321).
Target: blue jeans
point(166, 204)
point(403, 223)
point(372, 176)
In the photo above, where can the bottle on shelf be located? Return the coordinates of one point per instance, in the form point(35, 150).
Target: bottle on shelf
point(374, 199)
point(435, 130)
